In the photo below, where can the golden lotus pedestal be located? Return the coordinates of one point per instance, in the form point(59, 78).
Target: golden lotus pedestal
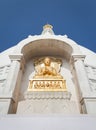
point(47, 84)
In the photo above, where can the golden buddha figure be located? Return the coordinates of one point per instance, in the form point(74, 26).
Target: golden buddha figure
point(47, 70)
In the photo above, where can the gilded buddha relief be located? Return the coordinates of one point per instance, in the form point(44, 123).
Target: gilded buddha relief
point(47, 68)
point(47, 75)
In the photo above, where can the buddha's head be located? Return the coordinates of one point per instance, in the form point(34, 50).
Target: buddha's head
point(47, 61)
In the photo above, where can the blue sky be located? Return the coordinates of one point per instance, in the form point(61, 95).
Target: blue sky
point(75, 18)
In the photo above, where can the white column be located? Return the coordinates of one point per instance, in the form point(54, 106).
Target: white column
point(11, 90)
point(12, 77)
point(81, 78)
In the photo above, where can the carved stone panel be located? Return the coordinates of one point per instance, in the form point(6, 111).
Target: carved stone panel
point(91, 73)
point(92, 85)
point(47, 85)
point(4, 70)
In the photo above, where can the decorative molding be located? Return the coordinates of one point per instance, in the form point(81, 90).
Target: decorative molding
point(47, 95)
point(16, 57)
point(20, 58)
point(75, 57)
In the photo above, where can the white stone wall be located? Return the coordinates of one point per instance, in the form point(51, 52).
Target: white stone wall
point(47, 106)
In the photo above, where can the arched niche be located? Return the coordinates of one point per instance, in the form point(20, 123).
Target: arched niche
point(53, 48)
point(47, 47)
point(42, 48)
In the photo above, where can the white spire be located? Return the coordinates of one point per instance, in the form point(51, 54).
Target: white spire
point(47, 29)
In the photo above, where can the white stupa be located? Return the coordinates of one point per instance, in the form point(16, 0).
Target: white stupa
point(75, 63)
